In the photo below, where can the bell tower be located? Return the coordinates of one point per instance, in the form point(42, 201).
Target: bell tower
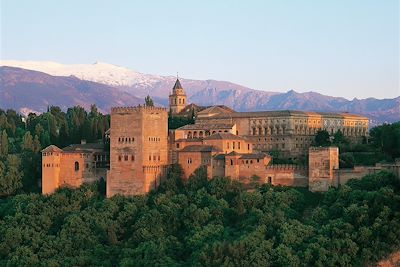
point(177, 99)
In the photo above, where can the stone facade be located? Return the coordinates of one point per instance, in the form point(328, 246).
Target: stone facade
point(72, 166)
point(322, 161)
point(138, 149)
point(289, 132)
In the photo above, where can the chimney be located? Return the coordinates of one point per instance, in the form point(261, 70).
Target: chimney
point(83, 141)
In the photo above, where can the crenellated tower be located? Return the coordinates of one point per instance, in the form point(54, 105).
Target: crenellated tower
point(138, 149)
point(177, 99)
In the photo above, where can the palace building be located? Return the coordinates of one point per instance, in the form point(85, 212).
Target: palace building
point(223, 141)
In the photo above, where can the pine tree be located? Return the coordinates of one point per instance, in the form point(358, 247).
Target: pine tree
point(148, 102)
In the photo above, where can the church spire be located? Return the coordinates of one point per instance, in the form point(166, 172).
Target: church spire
point(177, 84)
point(177, 99)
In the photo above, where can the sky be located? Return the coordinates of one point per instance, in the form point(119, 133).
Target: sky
point(347, 48)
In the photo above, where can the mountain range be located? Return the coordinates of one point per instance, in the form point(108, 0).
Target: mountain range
point(33, 85)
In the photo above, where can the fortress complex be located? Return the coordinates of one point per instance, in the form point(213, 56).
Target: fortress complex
point(289, 132)
point(224, 142)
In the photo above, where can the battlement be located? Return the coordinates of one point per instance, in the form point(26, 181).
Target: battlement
point(139, 108)
point(286, 167)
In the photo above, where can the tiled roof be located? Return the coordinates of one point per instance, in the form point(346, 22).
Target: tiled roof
point(189, 140)
point(206, 126)
point(284, 113)
point(222, 136)
point(253, 156)
point(52, 148)
point(200, 148)
point(177, 85)
point(89, 147)
point(214, 110)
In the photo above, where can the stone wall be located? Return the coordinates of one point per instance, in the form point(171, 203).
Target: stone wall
point(287, 175)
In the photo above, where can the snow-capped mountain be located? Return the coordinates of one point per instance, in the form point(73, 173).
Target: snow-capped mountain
point(111, 85)
point(98, 72)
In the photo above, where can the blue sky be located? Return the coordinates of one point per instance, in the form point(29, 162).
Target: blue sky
point(346, 48)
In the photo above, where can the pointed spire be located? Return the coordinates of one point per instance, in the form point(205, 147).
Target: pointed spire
point(177, 85)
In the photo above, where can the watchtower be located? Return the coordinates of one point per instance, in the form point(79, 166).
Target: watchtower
point(138, 149)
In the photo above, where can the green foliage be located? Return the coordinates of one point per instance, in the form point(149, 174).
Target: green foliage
point(346, 160)
point(10, 176)
point(4, 143)
point(176, 122)
point(322, 138)
point(386, 137)
point(204, 223)
point(148, 102)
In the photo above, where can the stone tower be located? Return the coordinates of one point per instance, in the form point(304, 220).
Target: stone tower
point(51, 169)
point(177, 99)
point(322, 161)
point(138, 149)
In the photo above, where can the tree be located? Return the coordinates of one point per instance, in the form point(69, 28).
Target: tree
point(27, 142)
point(322, 138)
point(10, 176)
point(36, 144)
point(4, 144)
point(148, 102)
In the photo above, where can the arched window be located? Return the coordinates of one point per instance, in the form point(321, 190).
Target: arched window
point(76, 166)
point(231, 161)
point(183, 101)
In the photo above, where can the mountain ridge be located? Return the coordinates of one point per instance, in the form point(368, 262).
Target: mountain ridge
point(212, 92)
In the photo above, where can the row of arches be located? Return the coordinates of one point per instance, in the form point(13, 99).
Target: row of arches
point(201, 134)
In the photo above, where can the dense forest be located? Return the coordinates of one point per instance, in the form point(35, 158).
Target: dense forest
point(204, 223)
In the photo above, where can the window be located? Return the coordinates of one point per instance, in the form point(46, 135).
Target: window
point(126, 157)
point(132, 158)
point(269, 179)
point(149, 158)
point(177, 145)
point(119, 158)
point(248, 146)
point(231, 162)
point(76, 166)
point(238, 145)
point(233, 144)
